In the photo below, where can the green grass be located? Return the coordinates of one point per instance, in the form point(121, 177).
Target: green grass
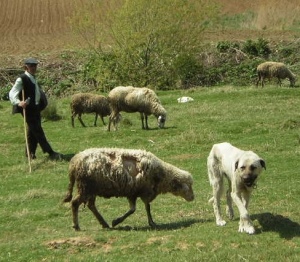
point(36, 226)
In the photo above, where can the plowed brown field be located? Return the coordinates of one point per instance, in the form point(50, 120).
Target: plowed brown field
point(30, 27)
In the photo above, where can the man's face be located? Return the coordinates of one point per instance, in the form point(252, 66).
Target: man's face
point(31, 68)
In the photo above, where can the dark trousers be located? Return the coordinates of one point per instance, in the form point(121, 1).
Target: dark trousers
point(35, 133)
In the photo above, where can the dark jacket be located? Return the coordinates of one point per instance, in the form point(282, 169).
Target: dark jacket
point(29, 91)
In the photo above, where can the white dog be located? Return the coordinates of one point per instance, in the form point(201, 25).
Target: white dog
point(241, 168)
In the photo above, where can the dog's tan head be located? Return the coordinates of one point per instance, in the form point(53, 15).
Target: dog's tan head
point(249, 166)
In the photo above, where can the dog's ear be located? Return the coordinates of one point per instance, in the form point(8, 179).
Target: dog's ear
point(263, 163)
point(236, 165)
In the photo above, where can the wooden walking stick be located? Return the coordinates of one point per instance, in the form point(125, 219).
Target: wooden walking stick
point(25, 131)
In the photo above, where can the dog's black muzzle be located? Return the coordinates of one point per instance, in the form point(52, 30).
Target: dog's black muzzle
point(249, 180)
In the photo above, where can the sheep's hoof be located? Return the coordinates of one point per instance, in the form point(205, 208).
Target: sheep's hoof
point(152, 225)
point(115, 222)
point(105, 225)
point(68, 198)
point(77, 228)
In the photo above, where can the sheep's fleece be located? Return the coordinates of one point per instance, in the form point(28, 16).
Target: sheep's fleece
point(89, 103)
point(274, 69)
point(136, 99)
point(130, 173)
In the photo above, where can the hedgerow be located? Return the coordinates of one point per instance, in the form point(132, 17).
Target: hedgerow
point(222, 63)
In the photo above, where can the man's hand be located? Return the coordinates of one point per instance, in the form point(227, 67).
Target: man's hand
point(22, 104)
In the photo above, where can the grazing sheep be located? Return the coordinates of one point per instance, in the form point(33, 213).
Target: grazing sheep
point(112, 172)
point(134, 99)
point(89, 103)
point(274, 69)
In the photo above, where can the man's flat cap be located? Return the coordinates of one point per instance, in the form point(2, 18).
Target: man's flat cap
point(31, 61)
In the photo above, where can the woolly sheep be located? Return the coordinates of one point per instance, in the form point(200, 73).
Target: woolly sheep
point(113, 172)
point(274, 69)
point(136, 99)
point(89, 103)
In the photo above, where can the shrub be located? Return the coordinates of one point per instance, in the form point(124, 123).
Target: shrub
point(4, 92)
point(50, 112)
point(257, 48)
point(187, 68)
point(225, 46)
point(144, 39)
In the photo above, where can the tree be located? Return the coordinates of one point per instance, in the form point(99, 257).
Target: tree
point(145, 36)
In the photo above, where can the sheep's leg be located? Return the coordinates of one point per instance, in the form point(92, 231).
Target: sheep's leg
point(96, 117)
point(279, 81)
point(146, 121)
point(132, 204)
point(262, 82)
point(258, 80)
point(142, 119)
point(72, 119)
point(80, 120)
point(75, 205)
point(109, 122)
point(92, 207)
point(150, 220)
point(102, 118)
point(112, 119)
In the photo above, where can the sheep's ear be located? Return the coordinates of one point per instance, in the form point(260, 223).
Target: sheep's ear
point(236, 165)
point(176, 185)
point(263, 163)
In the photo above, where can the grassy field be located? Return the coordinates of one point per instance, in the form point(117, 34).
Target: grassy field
point(36, 226)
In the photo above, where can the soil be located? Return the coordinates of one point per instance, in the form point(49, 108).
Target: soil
point(35, 27)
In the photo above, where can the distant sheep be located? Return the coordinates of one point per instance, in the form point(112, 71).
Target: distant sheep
point(274, 69)
point(89, 103)
point(135, 99)
point(112, 172)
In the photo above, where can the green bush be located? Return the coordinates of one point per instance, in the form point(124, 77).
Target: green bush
point(187, 68)
point(257, 48)
point(226, 46)
point(4, 92)
point(50, 112)
point(145, 40)
point(101, 70)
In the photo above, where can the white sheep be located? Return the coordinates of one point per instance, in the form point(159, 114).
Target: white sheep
point(136, 99)
point(274, 69)
point(130, 173)
point(89, 103)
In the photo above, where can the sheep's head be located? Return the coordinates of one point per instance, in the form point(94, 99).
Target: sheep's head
point(161, 121)
point(183, 189)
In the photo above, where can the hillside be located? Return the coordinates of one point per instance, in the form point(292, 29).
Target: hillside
point(34, 26)
point(42, 28)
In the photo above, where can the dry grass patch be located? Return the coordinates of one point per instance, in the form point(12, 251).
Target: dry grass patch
point(87, 242)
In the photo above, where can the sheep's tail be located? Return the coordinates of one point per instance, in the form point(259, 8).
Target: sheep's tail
point(69, 196)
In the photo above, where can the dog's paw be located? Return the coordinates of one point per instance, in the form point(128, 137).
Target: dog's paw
point(246, 226)
point(221, 222)
point(250, 230)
